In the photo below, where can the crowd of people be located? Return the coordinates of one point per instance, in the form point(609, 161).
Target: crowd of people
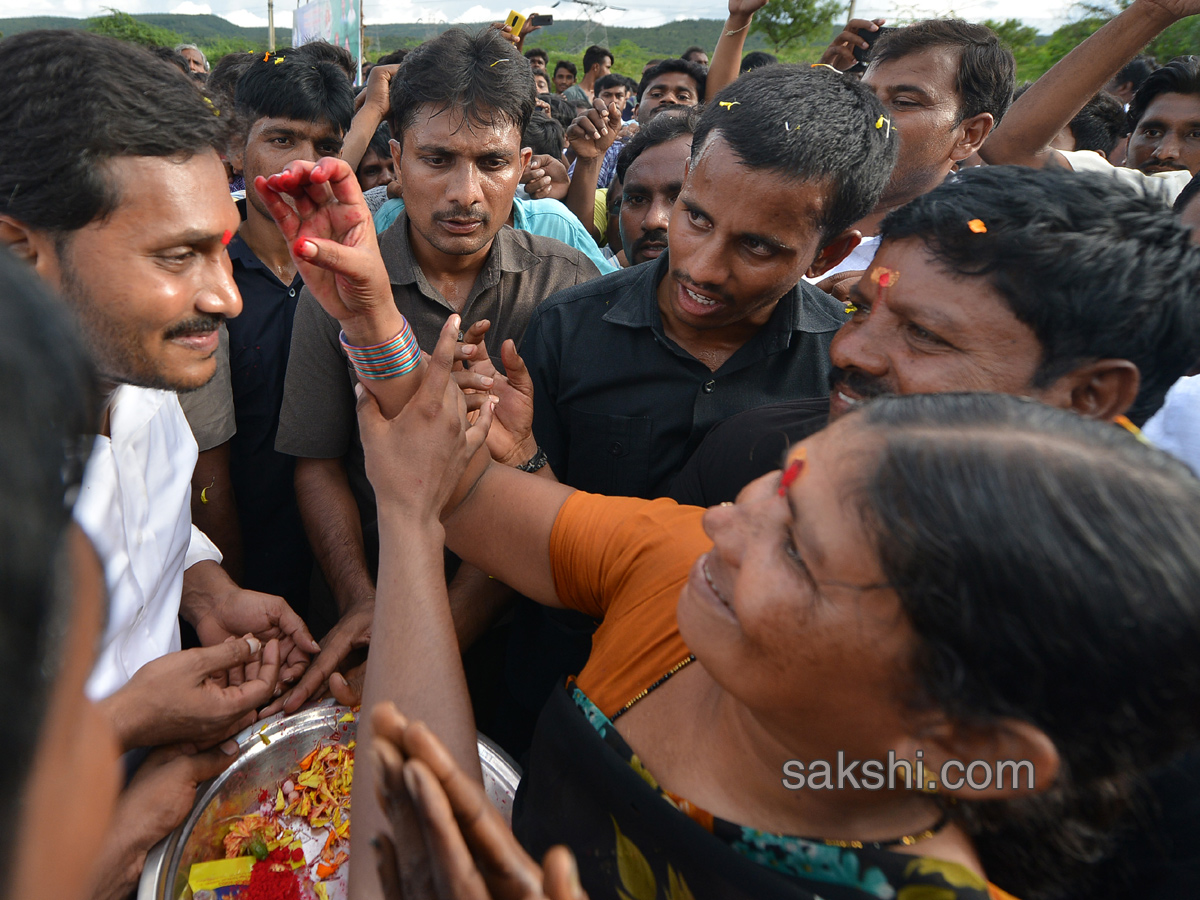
point(715, 443)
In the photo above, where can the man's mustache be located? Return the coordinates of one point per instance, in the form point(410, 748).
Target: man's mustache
point(205, 323)
point(858, 383)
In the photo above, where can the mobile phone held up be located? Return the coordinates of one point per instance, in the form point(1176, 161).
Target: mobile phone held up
point(541, 20)
point(515, 21)
point(861, 54)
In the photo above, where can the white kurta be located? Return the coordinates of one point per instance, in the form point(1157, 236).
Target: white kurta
point(135, 506)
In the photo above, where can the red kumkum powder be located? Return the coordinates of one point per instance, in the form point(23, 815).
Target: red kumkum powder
point(273, 879)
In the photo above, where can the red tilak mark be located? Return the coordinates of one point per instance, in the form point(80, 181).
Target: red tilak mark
point(885, 278)
point(790, 474)
point(227, 237)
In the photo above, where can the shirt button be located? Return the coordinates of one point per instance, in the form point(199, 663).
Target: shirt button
point(709, 387)
point(292, 292)
point(615, 448)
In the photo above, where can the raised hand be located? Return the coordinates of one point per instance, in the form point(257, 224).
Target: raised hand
point(592, 133)
point(377, 90)
point(840, 52)
point(332, 238)
point(546, 176)
point(745, 8)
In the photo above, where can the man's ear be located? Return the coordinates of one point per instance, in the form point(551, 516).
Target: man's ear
point(834, 252)
point(999, 760)
point(32, 245)
point(237, 155)
point(972, 133)
point(526, 156)
point(1102, 389)
point(397, 154)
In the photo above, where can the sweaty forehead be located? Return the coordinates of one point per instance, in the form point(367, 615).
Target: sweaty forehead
point(763, 202)
point(164, 199)
point(482, 131)
point(967, 309)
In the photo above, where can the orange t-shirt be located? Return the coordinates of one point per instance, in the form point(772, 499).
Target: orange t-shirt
point(624, 561)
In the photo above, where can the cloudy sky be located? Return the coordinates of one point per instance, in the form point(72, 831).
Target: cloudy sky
point(640, 13)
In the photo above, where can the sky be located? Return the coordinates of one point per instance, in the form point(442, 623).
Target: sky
point(1046, 16)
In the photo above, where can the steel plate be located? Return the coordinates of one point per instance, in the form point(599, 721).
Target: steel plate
point(261, 765)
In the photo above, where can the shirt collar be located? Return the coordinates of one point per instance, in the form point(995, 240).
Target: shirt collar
point(507, 255)
point(637, 307)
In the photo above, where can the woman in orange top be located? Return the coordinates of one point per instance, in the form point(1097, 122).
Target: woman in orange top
point(948, 580)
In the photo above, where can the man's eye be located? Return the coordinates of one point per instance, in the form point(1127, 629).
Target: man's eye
point(633, 201)
point(923, 334)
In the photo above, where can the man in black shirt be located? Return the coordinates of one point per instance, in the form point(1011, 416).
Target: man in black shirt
point(631, 371)
point(296, 109)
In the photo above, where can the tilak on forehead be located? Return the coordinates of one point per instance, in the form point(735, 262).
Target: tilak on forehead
point(884, 277)
point(796, 461)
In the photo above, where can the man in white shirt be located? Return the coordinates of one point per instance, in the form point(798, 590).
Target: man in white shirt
point(1162, 157)
point(124, 208)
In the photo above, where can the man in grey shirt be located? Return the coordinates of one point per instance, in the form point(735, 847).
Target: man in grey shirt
point(459, 158)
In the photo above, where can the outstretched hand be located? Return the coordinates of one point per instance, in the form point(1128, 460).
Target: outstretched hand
point(189, 695)
point(329, 230)
point(510, 440)
point(469, 852)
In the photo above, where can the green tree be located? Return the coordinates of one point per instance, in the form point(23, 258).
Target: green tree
point(1181, 39)
point(220, 47)
point(1014, 33)
point(125, 27)
point(782, 22)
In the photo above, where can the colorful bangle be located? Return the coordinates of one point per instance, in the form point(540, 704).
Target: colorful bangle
point(391, 359)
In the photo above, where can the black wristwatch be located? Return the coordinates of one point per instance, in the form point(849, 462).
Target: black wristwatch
point(538, 460)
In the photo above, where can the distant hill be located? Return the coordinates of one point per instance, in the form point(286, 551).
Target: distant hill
point(195, 29)
point(563, 36)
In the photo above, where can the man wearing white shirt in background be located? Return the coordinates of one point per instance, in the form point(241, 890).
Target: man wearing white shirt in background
point(124, 208)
